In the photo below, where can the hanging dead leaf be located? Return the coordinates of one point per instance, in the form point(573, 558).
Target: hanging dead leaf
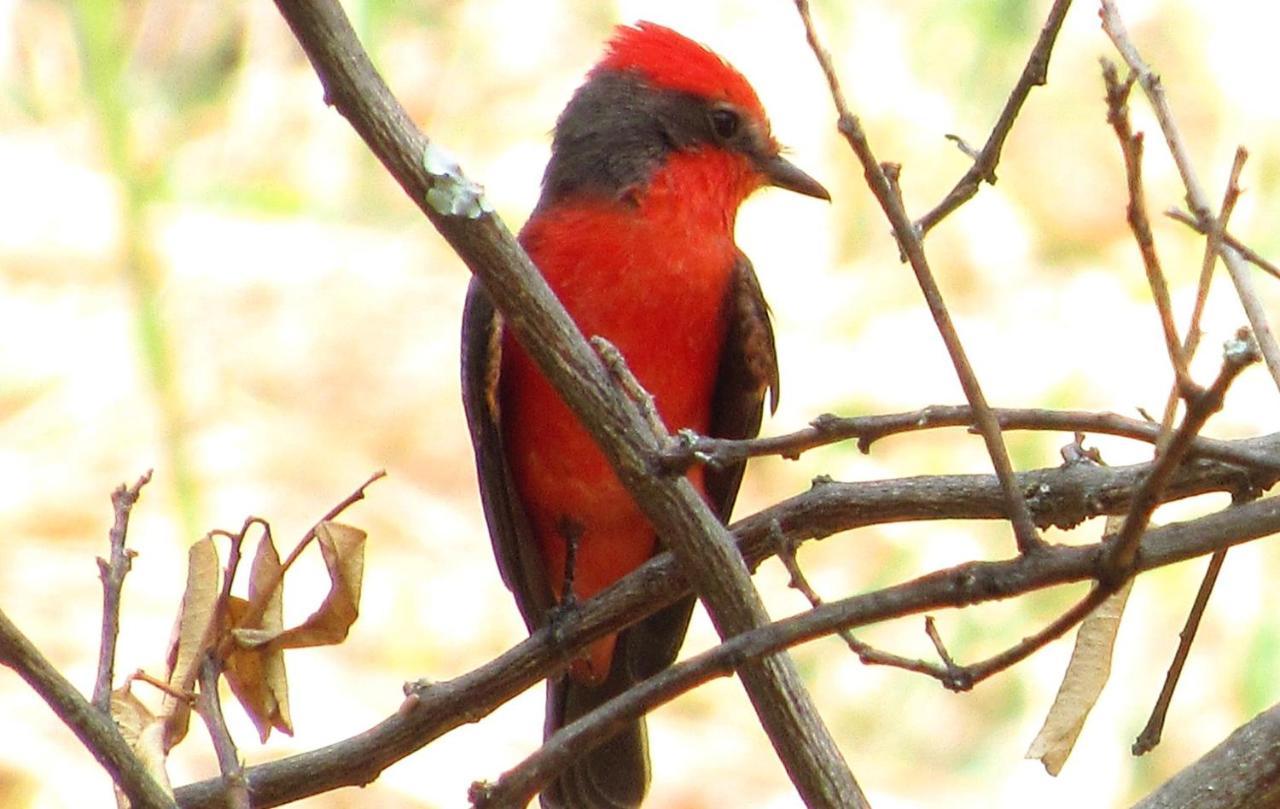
point(144, 732)
point(255, 669)
point(1086, 674)
point(264, 574)
point(343, 549)
point(192, 636)
point(256, 672)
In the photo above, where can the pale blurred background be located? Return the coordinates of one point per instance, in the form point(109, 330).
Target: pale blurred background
point(202, 271)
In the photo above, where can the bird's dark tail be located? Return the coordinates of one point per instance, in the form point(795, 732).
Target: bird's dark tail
point(614, 775)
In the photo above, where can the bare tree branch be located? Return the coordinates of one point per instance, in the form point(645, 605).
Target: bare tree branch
point(112, 572)
point(1062, 496)
point(829, 429)
point(1035, 74)
point(95, 729)
point(963, 584)
point(909, 242)
point(1245, 251)
point(1197, 200)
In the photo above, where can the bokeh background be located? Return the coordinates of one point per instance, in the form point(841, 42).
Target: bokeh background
point(203, 272)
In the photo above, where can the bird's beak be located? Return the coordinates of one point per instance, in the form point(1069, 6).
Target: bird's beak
point(780, 172)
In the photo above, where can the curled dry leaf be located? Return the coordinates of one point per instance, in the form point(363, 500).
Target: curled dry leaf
point(343, 549)
point(256, 672)
point(144, 732)
point(194, 633)
point(1086, 674)
point(255, 669)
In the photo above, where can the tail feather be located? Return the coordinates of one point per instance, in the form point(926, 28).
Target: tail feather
point(615, 774)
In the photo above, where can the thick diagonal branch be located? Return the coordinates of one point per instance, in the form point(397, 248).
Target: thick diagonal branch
point(93, 727)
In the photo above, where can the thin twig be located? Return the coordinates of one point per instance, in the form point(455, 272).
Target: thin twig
point(95, 729)
point(1197, 199)
point(983, 169)
point(155, 682)
point(1151, 732)
point(909, 242)
point(1246, 252)
point(1210, 260)
point(931, 630)
point(1150, 735)
point(209, 706)
point(867, 654)
point(112, 574)
point(830, 429)
point(1131, 147)
point(1238, 354)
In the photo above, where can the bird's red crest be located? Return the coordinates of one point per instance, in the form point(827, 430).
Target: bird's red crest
point(674, 62)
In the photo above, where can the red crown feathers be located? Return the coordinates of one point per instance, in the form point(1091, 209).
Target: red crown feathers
point(674, 62)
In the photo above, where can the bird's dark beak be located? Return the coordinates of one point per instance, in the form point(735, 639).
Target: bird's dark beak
point(780, 172)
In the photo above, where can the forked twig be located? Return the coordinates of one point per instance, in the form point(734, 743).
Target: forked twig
point(1197, 199)
point(950, 675)
point(112, 572)
point(1238, 354)
point(909, 243)
point(1131, 146)
point(1246, 252)
point(983, 169)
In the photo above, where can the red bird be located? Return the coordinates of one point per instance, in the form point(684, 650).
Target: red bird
point(634, 233)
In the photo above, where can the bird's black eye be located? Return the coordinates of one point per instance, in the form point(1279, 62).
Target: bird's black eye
point(725, 123)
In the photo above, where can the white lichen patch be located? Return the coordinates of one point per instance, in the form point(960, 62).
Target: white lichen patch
point(451, 193)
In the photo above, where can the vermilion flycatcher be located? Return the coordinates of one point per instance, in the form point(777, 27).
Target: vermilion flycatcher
point(634, 233)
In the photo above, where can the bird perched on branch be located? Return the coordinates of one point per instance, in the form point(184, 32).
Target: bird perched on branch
point(634, 232)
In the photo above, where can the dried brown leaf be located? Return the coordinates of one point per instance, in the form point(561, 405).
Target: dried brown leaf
point(192, 636)
point(144, 732)
point(1086, 674)
point(256, 672)
point(343, 549)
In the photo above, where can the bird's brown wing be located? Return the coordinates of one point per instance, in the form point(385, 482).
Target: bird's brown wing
point(513, 542)
point(748, 370)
